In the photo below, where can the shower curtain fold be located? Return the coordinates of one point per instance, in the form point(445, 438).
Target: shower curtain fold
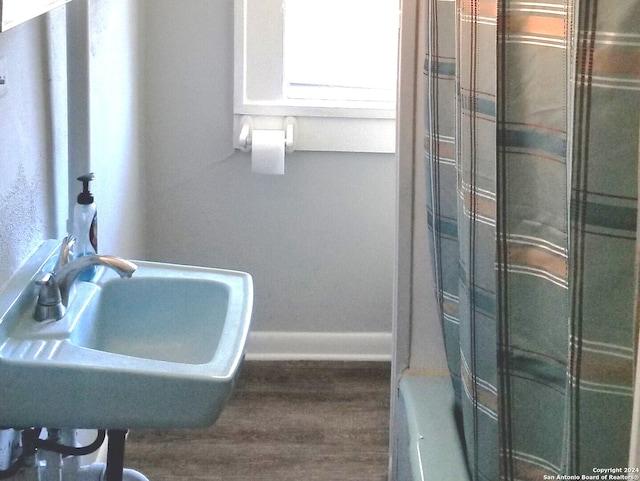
point(532, 121)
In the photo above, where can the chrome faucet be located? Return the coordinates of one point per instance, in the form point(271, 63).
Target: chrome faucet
point(55, 287)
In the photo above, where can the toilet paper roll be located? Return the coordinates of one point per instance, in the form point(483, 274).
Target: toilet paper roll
point(267, 152)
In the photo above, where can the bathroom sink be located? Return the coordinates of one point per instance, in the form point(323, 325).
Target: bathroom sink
point(159, 350)
point(163, 318)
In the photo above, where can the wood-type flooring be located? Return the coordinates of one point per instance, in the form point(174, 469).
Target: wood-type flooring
point(286, 421)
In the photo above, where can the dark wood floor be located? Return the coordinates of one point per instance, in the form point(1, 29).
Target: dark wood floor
point(286, 421)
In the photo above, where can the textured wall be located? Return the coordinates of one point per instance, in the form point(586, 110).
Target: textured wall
point(27, 142)
point(23, 217)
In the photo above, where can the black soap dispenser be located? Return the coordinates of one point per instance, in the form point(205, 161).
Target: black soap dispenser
point(85, 225)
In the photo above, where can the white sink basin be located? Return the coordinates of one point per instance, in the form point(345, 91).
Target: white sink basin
point(159, 350)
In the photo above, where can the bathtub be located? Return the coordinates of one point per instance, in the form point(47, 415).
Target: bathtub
point(429, 447)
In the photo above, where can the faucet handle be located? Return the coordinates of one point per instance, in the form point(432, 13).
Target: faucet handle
point(49, 304)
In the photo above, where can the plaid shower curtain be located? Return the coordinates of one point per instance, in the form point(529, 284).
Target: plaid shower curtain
point(532, 121)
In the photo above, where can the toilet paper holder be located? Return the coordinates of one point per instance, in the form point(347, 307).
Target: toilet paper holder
point(289, 125)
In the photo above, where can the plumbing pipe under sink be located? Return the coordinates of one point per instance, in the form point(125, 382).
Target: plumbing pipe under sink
point(47, 464)
point(92, 472)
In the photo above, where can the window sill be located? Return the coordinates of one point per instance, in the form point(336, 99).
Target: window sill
point(330, 134)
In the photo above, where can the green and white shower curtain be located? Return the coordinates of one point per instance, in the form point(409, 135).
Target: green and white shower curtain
point(532, 121)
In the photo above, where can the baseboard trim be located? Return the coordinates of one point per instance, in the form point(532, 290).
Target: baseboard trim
point(319, 346)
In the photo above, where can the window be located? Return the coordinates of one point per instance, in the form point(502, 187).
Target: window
point(331, 64)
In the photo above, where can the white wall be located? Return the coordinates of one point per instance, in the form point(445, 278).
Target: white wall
point(319, 240)
point(32, 140)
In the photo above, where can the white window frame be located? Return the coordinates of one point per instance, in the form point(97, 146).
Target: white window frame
point(320, 125)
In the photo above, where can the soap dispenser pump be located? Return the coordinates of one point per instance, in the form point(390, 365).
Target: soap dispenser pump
point(85, 225)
